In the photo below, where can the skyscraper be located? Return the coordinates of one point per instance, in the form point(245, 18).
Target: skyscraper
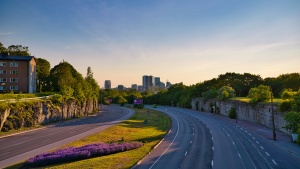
point(107, 84)
point(148, 82)
point(157, 81)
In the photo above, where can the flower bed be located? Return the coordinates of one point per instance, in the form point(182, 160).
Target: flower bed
point(79, 153)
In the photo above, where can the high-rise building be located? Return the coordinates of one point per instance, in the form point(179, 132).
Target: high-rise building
point(107, 84)
point(157, 81)
point(140, 88)
point(168, 84)
point(121, 87)
point(148, 82)
point(134, 86)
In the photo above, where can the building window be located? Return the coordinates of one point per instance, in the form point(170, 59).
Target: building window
point(2, 87)
point(14, 88)
point(2, 72)
point(14, 64)
point(13, 72)
point(13, 79)
point(2, 63)
point(3, 80)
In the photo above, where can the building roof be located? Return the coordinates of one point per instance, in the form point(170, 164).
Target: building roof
point(21, 58)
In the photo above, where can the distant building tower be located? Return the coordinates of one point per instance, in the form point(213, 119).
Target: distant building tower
point(140, 88)
point(148, 82)
point(162, 85)
point(157, 81)
point(168, 84)
point(121, 87)
point(107, 84)
point(134, 86)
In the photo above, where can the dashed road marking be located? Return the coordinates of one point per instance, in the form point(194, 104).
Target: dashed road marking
point(185, 153)
point(268, 154)
point(239, 155)
point(212, 162)
point(261, 147)
point(228, 135)
point(191, 142)
point(257, 142)
point(274, 162)
point(213, 148)
point(253, 138)
point(233, 143)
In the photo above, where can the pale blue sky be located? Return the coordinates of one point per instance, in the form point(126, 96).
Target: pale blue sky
point(185, 41)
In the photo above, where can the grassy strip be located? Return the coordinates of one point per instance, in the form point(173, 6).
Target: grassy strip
point(133, 129)
point(246, 99)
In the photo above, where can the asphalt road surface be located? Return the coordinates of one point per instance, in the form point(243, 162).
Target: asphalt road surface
point(201, 140)
point(25, 145)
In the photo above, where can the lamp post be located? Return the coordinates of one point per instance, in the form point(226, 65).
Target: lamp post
point(235, 107)
point(273, 122)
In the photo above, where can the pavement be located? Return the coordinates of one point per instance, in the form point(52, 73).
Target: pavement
point(283, 140)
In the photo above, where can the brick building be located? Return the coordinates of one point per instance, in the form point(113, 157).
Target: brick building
point(17, 73)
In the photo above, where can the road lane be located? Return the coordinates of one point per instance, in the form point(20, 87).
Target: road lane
point(21, 146)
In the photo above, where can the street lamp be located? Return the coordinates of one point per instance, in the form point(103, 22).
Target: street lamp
point(273, 123)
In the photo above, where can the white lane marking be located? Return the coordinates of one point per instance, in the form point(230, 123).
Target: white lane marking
point(253, 138)
point(223, 129)
point(257, 142)
point(212, 163)
point(213, 148)
point(4, 154)
point(268, 154)
point(169, 145)
point(191, 142)
point(212, 138)
point(193, 133)
point(233, 143)
point(250, 134)
point(185, 153)
point(274, 162)
point(261, 147)
point(228, 135)
point(239, 155)
point(210, 131)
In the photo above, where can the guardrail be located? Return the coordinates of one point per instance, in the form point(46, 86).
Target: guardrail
point(25, 99)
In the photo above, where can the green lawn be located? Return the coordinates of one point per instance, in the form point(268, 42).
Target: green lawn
point(133, 129)
point(246, 99)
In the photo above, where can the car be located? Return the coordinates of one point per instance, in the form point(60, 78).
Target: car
point(154, 106)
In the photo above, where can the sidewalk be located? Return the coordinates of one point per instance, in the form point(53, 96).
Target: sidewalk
point(284, 141)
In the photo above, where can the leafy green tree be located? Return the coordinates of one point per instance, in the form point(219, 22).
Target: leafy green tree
point(42, 73)
point(18, 50)
point(225, 93)
point(2, 48)
point(210, 94)
point(293, 121)
point(92, 84)
point(122, 100)
point(260, 94)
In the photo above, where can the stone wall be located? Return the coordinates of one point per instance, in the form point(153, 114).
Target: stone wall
point(260, 113)
point(46, 112)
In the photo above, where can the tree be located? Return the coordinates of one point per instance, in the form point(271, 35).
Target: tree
point(287, 94)
point(2, 48)
point(18, 50)
point(42, 73)
point(225, 93)
point(260, 94)
point(210, 94)
point(293, 121)
point(92, 85)
point(122, 101)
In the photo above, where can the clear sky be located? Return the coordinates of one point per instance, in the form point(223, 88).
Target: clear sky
point(185, 41)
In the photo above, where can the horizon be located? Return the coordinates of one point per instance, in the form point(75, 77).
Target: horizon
point(188, 42)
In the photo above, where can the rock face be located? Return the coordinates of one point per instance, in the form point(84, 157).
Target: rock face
point(260, 113)
point(29, 115)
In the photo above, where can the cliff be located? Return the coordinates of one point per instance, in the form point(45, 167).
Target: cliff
point(18, 115)
point(260, 113)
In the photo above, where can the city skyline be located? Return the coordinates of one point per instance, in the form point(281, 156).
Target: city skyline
point(189, 42)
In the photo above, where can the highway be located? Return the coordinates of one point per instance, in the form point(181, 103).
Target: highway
point(28, 144)
point(203, 140)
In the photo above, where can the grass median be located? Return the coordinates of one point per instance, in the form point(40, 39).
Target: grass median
point(133, 129)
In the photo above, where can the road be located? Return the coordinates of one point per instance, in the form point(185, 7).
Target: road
point(25, 145)
point(202, 140)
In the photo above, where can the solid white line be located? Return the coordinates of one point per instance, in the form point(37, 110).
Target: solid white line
point(268, 154)
point(261, 147)
point(274, 162)
point(169, 145)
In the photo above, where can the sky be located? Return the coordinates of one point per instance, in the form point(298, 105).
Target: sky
point(187, 41)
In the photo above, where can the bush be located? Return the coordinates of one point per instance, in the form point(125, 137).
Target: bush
point(232, 113)
point(293, 120)
point(79, 153)
point(285, 106)
point(138, 106)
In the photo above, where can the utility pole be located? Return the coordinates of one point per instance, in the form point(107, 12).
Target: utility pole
point(272, 111)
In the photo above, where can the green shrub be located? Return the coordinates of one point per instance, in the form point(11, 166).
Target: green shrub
point(138, 106)
point(232, 113)
point(293, 120)
point(285, 106)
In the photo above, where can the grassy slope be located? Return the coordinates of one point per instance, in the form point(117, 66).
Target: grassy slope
point(132, 129)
